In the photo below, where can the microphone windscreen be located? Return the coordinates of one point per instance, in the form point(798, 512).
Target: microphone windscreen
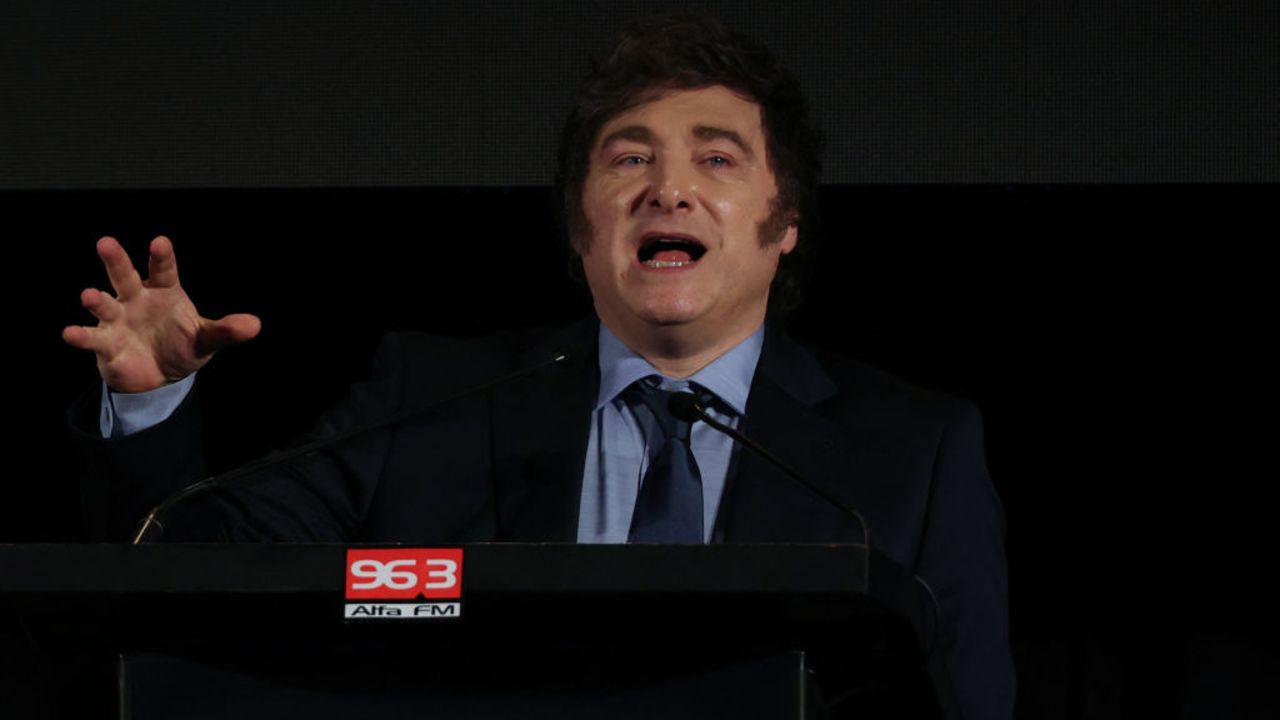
point(684, 406)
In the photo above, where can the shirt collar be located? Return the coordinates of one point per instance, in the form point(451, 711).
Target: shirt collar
point(728, 376)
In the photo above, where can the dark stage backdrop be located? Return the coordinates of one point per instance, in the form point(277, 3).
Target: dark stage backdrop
point(472, 92)
point(1056, 209)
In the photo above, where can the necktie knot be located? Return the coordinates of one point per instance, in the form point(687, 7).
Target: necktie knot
point(659, 403)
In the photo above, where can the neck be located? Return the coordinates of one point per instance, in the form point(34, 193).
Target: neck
point(679, 351)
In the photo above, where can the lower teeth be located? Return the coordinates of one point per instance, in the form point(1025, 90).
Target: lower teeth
point(667, 263)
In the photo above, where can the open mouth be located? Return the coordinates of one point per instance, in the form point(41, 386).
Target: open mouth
point(669, 251)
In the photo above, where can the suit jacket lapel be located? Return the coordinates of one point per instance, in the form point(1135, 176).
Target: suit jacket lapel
point(541, 426)
point(540, 431)
point(784, 414)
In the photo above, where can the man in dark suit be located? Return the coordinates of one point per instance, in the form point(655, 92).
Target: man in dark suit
point(687, 169)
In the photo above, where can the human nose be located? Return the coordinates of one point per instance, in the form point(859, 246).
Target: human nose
point(672, 187)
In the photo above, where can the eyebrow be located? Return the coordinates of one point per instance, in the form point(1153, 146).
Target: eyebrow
point(636, 133)
point(707, 132)
point(642, 134)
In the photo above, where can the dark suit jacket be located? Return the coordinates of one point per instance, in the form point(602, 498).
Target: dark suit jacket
point(507, 465)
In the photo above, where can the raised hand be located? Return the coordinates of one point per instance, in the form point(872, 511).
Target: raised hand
point(150, 334)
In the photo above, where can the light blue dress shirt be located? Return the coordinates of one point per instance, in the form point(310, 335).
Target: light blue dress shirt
point(124, 414)
point(618, 452)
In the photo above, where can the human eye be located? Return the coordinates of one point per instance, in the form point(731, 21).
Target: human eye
point(718, 160)
point(631, 159)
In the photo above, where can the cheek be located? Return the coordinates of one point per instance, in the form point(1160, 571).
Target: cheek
point(605, 217)
point(624, 203)
point(596, 273)
point(740, 207)
point(723, 207)
point(604, 265)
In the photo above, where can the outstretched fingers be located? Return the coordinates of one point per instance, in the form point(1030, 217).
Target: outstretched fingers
point(149, 333)
point(124, 277)
point(101, 305)
point(84, 338)
point(230, 330)
point(162, 268)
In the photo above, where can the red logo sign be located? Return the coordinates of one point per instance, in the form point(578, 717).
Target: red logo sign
point(404, 573)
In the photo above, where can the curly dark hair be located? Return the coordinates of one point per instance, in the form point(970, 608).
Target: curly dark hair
point(681, 51)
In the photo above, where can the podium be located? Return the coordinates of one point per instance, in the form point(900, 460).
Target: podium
point(544, 631)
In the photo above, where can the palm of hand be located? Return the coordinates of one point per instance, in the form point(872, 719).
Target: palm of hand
point(153, 343)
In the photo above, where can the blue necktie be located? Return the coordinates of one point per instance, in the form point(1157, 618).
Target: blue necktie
point(669, 504)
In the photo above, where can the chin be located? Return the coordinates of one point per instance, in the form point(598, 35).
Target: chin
point(670, 312)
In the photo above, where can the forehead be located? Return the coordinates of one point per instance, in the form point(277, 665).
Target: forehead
point(679, 113)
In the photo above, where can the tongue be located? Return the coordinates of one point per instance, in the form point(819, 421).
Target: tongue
point(672, 256)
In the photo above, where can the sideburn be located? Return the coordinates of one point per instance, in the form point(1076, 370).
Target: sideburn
point(772, 229)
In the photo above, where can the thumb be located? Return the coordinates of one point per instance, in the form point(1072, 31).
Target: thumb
point(230, 330)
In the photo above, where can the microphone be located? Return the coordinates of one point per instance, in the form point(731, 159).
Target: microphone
point(687, 407)
point(563, 356)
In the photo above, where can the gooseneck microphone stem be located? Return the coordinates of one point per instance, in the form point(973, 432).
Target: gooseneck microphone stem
point(153, 518)
point(687, 407)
